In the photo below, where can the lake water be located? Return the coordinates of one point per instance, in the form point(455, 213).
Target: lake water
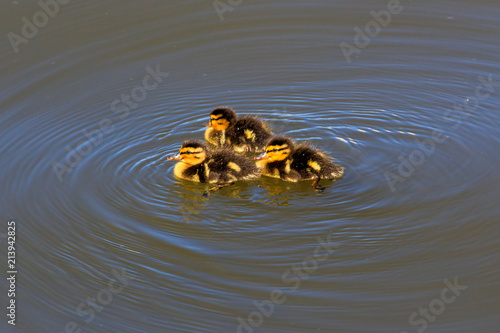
point(108, 240)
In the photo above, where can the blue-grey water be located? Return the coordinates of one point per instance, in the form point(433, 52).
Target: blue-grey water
point(108, 240)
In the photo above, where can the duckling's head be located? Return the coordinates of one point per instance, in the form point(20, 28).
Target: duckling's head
point(278, 148)
point(221, 118)
point(192, 152)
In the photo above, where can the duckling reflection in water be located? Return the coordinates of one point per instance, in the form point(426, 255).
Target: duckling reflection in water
point(242, 134)
point(222, 166)
point(283, 159)
point(189, 208)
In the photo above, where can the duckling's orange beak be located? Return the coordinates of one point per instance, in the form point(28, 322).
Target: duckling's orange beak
point(174, 157)
point(209, 124)
point(262, 156)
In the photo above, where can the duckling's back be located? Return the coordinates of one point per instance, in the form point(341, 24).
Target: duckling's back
point(225, 166)
point(309, 162)
point(251, 132)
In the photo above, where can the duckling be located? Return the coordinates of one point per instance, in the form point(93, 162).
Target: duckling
point(243, 134)
point(221, 166)
point(283, 159)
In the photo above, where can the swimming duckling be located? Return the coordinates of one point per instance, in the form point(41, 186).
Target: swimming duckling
point(220, 166)
point(243, 134)
point(282, 159)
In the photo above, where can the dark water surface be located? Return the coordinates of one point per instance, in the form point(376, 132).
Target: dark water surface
point(85, 177)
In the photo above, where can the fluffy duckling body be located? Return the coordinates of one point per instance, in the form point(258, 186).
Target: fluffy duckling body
point(242, 134)
point(283, 159)
point(223, 166)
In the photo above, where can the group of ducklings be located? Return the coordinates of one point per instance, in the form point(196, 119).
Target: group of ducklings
point(234, 137)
